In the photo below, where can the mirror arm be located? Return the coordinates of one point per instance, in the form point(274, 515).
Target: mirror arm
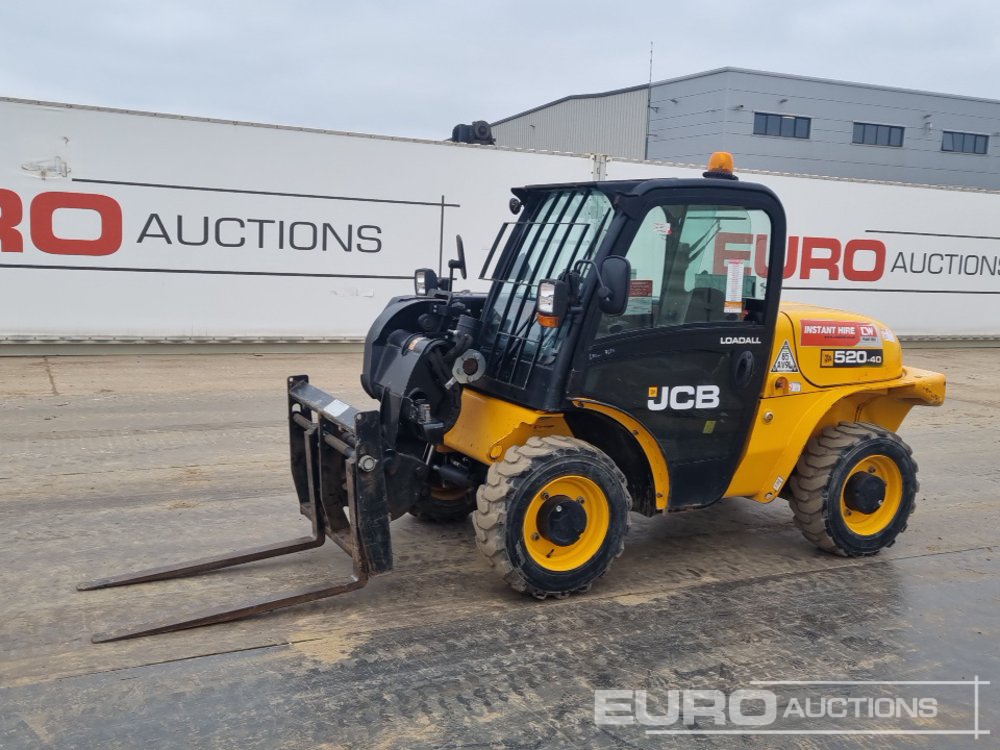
point(603, 290)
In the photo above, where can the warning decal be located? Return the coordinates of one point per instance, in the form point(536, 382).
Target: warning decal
point(640, 297)
point(640, 288)
point(785, 361)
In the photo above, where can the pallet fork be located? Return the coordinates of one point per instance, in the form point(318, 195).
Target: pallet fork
point(337, 467)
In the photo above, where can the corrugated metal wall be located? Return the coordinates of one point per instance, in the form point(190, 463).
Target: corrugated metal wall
point(688, 118)
point(613, 123)
point(693, 116)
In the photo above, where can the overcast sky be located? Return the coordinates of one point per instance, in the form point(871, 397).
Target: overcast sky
point(417, 68)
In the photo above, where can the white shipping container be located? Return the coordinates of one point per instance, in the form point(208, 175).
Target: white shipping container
point(136, 226)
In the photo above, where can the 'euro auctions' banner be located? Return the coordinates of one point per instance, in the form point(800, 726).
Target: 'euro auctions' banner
point(128, 226)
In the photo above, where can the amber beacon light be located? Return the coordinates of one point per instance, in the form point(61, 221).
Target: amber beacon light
point(720, 164)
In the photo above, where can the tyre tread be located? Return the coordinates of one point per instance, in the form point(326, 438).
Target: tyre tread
point(808, 498)
point(502, 481)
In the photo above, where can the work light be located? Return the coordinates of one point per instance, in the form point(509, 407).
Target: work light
point(425, 281)
point(552, 302)
point(547, 297)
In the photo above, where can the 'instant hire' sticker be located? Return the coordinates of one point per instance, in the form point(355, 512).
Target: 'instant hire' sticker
point(839, 333)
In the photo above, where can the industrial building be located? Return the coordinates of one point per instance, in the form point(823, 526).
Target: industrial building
point(778, 122)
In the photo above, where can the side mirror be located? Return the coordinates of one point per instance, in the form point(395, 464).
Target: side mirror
point(615, 275)
point(459, 263)
point(552, 303)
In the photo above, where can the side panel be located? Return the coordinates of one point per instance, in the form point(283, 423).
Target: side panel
point(834, 347)
point(703, 426)
point(785, 421)
point(488, 426)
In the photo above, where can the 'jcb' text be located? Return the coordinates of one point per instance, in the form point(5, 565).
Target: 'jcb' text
point(681, 397)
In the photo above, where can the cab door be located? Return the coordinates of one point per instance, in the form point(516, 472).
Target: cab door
point(689, 355)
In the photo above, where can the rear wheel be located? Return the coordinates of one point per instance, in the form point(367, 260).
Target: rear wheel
point(445, 505)
point(552, 516)
point(854, 489)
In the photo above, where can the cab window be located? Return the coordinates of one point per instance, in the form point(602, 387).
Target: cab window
point(695, 264)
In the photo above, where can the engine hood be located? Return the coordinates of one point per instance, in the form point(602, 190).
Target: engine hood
point(834, 347)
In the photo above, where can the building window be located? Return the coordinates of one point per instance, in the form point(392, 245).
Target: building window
point(964, 143)
point(878, 135)
point(786, 126)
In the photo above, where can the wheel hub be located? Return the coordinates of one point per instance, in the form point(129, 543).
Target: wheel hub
point(864, 493)
point(561, 520)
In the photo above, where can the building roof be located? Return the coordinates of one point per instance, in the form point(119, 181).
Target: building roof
point(730, 69)
point(570, 98)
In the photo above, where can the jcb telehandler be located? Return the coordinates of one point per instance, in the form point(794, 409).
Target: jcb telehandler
point(628, 357)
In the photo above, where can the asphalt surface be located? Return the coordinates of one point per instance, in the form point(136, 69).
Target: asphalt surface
point(123, 462)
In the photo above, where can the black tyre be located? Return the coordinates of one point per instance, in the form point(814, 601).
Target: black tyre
point(445, 505)
point(854, 489)
point(552, 516)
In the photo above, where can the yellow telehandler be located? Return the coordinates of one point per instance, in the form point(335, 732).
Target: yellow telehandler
point(627, 358)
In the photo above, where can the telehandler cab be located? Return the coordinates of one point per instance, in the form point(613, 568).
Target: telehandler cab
point(628, 357)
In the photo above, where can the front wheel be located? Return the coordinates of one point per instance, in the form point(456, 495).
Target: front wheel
point(552, 516)
point(854, 489)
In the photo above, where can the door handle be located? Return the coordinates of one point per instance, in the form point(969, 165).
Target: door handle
point(743, 369)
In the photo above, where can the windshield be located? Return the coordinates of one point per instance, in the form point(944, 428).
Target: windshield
point(567, 227)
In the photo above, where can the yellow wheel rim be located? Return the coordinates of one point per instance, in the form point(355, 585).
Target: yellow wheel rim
point(868, 524)
point(574, 489)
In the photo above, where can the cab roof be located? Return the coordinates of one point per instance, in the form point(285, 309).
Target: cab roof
point(641, 187)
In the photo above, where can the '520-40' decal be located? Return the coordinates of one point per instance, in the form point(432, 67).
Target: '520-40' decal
point(851, 358)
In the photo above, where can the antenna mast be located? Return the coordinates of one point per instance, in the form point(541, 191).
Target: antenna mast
point(649, 102)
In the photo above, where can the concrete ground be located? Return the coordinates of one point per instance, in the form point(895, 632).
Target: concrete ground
point(121, 462)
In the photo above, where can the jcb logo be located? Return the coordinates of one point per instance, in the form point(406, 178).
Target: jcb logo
point(41, 214)
point(681, 397)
